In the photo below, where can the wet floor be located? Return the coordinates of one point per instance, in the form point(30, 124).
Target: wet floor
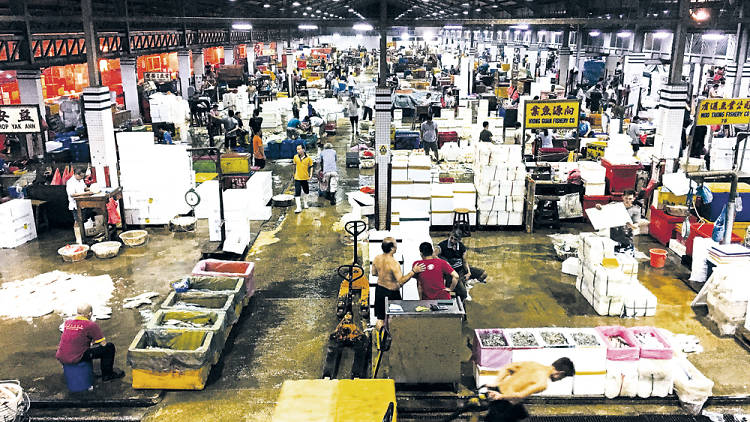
point(283, 332)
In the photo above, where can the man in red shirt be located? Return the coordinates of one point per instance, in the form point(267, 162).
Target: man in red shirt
point(82, 340)
point(430, 282)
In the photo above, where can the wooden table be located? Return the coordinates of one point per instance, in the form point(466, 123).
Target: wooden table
point(98, 202)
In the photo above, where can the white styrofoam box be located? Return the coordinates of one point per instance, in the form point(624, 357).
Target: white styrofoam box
point(491, 203)
point(514, 203)
point(594, 188)
point(237, 233)
point(484, 375)
point(260, 213)
point(621, 378)
point(415, 224)
point(260, 187)
point(420, 174)
point(518, 188)
point(627, 264)
point(398, 203)
point(17, 232)
point(421, 190)
point(605, 281)
point(589, 385)
point(375, 239)
point(15, 209)
point(399, 170)
point(605, 305)
point(592, 171)
point(488, 218)
point(515, 218)
point(401, 189)
point(502, 218)
point(595, 248)
point(442, 197)
point(441, 218)
point(639, 301)
point(415, 205)
point(505, 188)
point(465, 195)
point(588, 359)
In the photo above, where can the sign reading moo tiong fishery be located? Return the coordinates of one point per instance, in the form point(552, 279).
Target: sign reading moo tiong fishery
point(723, 111)
point(552, 114)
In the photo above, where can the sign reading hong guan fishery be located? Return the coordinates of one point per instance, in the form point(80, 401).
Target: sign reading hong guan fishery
point(552, 114)
point(20, 119)
point(723, 111)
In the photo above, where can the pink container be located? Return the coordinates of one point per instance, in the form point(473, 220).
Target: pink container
point(490, 357)
point(647, 353)
point(218, 268)
point(620, 354)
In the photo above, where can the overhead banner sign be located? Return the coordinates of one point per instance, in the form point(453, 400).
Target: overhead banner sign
point(723, 111)
point(552, 114)
point(20, 119)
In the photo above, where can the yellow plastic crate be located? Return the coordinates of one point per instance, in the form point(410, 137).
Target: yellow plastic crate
point(595, 149)
point(668, 198)
point(235, 163)
point(192, 379)
point(723, 187)
point(282, 94)
point(204, 177)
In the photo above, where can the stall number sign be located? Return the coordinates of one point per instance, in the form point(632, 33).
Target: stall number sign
point(723, 111)
point(551, 114)
point(20, 119)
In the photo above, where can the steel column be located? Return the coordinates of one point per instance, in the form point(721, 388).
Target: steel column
point(678, 44)
point(91, 41)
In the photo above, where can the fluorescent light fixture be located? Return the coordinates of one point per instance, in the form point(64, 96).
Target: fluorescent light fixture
point(242, 26)
point(363, 26)
point(661, 34)
point(701, 15)
point(624, 34)
point(404, 36)
point(336, 35)
point(521, 26)
point(459, 27)
point(713, 36)
point(595, 33)
point(307, 27)
point(296, 4)
point(266, 5)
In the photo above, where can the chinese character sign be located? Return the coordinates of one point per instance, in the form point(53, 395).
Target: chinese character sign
point(20, 119)
point(552, 114)
point(723, 111)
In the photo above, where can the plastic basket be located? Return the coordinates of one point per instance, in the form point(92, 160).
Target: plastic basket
point(104, 250)
point(78, 254)
point(134, 238)
point(14, 402)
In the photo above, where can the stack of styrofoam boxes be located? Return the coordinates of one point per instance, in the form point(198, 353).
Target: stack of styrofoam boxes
point(619, 150)
point(171, 109)
point(542, 353)
point(483, 110)
point(209, 208)
point(442, 204)
point(271, 115)
point(589, 358)
point(239, 102)
point(154, 178)
point(401, 186)
point(722, 153)
point(655, 364)
point(16, 223)
point(622, 362)
point(419, 172)
point(236, 220)
point(259, 189)
point(500, 180)
point(488, 360)
point(611, 290)
point(593, 175)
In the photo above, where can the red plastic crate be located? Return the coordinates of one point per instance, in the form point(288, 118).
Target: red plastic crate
point(620, 177)
point(661, 225)
point(590, 201)
point(444, 137)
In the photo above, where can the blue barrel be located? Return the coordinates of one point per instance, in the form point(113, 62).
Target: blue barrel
point(79, 376)
point(274, 150)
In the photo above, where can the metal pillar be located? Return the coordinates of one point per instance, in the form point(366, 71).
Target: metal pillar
point(129, 75)
point(579, 46)
point(183, 71)
point(638, 39)
point(91, 42)
point(30, 87)
point(564, 68)
point(383, 65)
point(740, 58)
point(678, 44)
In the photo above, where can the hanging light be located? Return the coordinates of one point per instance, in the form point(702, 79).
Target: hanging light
point(595, 33)
point(624, 34)
point(700, 15)
point(307, 27)
point(661, 34)
point(362, 26)
point(713, 36)
point(242, 26)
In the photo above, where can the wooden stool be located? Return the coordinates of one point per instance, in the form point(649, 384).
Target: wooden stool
point(461, 221)
point(40, 214)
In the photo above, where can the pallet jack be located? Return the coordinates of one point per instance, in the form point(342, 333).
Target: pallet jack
point(355, 228)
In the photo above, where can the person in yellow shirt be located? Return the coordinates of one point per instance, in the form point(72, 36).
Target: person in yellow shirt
point(302, 165)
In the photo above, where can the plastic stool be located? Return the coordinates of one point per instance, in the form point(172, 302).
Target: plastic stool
point(79, 376)
point(461, 221)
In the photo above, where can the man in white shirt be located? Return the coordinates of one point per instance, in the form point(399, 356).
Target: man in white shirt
point(350, 81)
point(76, 188)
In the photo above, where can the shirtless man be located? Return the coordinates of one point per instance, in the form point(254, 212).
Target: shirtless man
point(388, 271)
point(519, 380)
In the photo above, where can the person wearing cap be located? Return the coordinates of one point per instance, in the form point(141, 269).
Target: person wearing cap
point(454, 251)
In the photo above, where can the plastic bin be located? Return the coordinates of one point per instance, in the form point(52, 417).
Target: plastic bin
point(631, 353)
point(235, 163)
point(653, 353)
point(219, 284)
point(720, 193)
point(170, 359)
point(199, 301)
point(204, 165)
point(620, 177)
point(661, 225)
point(80, 151)
point(490, 356)
point(219, 268)
point(590, 201)
point(704, 230)
point(274, 150)
point(207, 321)
point(78, 376)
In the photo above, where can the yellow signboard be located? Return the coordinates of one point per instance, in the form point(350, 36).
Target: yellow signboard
point(552, 114)
point(723, 111)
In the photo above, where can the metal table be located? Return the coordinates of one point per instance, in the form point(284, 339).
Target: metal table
point(98, 202)
point(427, 347)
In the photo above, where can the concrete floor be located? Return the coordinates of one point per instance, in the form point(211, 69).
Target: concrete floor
point(283, 332)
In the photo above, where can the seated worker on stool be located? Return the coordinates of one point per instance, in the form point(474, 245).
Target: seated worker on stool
point(82, 340)
point(430, 282)
point(388, 271)
point(624, 234)
point(520, 380)
point(454, 251)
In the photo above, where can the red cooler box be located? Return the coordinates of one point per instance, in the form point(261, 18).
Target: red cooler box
point(620, 177)
point(703, 230)
point(444, 137)
point(662, 225)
